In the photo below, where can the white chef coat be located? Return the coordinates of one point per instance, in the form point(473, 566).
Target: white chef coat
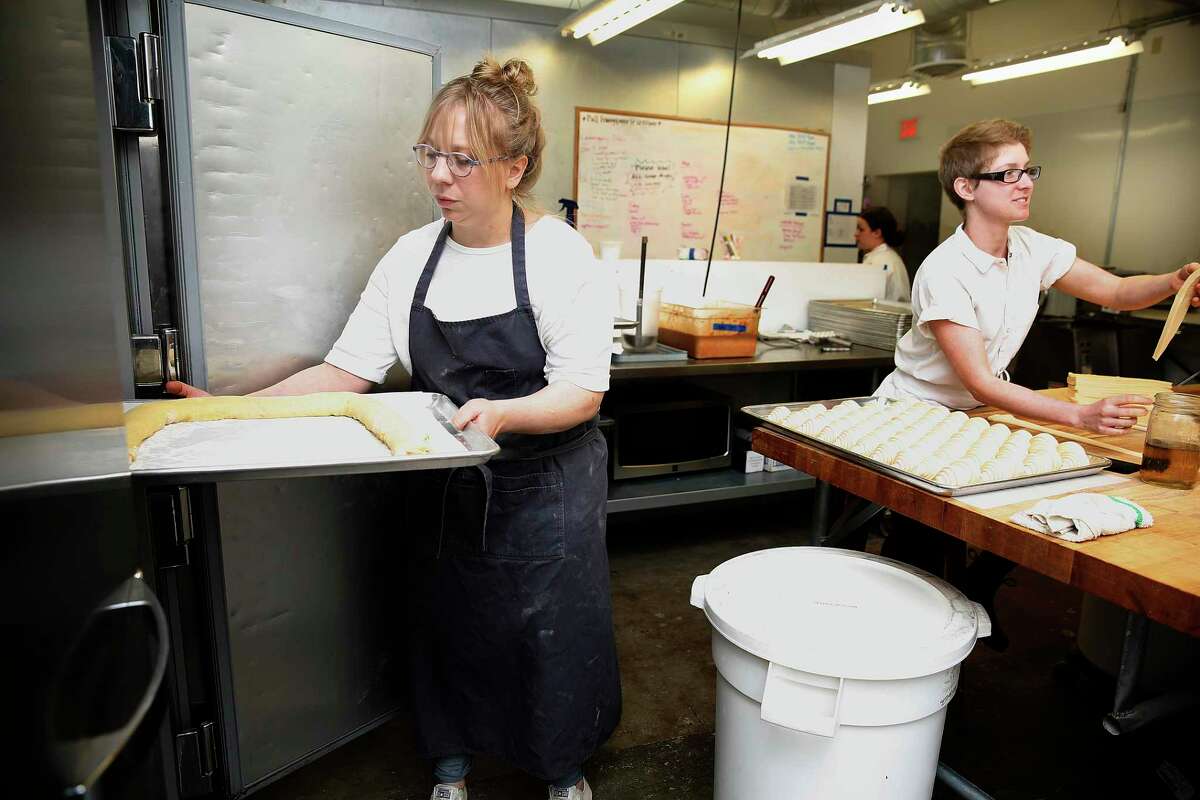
point(570, 292)
point(996, 296)
point(898, 287)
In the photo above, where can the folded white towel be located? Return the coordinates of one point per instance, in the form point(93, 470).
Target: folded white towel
point(1084, 516)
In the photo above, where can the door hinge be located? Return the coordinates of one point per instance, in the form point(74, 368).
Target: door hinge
point(155, 359)
point(172, 526)
point(135, 74)
point(196, 759)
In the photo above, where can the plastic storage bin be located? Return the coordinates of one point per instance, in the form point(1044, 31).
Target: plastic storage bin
point(834, 671)
point(719, 329)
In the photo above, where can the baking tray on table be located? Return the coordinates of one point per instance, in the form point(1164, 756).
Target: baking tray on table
point(760, 412)
point(229, 450)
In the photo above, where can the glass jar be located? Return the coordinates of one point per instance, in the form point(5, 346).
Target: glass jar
point(1171, 456)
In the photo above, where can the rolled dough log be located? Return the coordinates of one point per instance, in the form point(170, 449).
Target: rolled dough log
point(385, 423)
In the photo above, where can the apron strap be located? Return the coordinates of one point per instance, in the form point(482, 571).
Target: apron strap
point(517, 242)
point(430, 265)
point(486, 474)
point(591, 431)
point(520, 282)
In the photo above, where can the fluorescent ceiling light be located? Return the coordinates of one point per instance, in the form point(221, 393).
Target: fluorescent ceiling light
point(860, 24)
point(886, 93)
point(1049, 60)
point(605, 19)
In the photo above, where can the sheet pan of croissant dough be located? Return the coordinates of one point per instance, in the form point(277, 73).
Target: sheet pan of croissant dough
point(929, 446)
point(308, 446)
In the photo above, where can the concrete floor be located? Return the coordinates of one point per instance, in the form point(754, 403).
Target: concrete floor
point(1023, 724)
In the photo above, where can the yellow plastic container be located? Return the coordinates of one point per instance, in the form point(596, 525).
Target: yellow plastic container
point(718, 329)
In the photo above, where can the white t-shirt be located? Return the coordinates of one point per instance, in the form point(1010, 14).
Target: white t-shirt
point(570, 292)
point(996, 296)
point(898, 287)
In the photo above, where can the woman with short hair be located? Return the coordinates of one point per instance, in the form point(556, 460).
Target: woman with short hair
point(974, 301)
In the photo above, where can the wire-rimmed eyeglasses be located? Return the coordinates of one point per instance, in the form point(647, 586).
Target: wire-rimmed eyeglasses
point(1010, 175)
point(459, 164)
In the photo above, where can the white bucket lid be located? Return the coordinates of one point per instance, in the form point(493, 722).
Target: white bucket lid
point(840, 613)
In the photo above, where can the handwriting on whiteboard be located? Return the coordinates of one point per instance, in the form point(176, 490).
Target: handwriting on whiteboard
point(659, 177)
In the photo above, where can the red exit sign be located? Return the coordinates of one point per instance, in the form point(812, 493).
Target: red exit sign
point(908, 128)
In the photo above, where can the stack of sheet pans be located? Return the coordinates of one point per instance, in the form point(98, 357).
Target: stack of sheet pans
point(875, 323)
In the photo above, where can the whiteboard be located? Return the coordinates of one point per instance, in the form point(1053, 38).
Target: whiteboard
point(643, 175)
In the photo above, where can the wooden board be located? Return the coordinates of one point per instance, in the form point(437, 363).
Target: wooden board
point(1179, 309)
point(1090, 388)
point(648, 174)
point(1070, 436)
point(1154, 571)
point(1134, 440)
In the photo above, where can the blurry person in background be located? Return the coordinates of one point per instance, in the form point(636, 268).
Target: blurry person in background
point(878, 236)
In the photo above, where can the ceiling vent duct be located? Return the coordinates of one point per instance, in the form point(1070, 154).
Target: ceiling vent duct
point(940, 47)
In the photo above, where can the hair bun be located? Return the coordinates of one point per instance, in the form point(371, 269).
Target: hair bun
point(515, 72)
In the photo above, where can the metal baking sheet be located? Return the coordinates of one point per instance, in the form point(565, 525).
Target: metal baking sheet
point(877, 323)
point(760, 413)
point(226, 450)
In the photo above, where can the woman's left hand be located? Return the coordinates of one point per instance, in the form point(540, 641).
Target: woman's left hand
point(488, 416)
point(1181, 275)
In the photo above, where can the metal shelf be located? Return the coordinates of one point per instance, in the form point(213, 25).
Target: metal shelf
point(701, 487)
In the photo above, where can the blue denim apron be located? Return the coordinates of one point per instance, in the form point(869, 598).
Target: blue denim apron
point(512, 650)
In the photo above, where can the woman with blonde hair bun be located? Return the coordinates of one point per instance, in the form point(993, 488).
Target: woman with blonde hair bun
point(506, 312)
point(512, 650)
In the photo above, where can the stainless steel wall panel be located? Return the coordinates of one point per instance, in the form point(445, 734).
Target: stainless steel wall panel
point(302, 179)
point(1160, 189)
point(1074, 200)
point(631, 73)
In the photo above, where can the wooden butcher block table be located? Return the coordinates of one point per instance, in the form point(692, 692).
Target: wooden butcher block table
point(1153, 572)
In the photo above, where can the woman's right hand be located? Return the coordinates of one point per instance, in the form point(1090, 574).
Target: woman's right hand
point(181, 389)
point(1113, 415)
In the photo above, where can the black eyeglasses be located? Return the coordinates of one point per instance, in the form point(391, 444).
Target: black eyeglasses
point(1010, 175)
point(460, 164)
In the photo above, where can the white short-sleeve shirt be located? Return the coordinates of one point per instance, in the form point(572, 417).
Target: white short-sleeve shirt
point(996, 296)
point(570, 292)
point(898, 287)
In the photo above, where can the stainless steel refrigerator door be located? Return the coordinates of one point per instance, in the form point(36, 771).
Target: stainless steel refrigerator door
point(313, 589)
point(63, 345)
point(292, 140)
point(301, 178)
point(70, 538)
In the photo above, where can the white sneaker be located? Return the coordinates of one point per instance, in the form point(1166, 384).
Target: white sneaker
point(572, 792)
point(448, 791)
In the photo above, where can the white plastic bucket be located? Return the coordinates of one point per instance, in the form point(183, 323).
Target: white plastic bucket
point(834, 670)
